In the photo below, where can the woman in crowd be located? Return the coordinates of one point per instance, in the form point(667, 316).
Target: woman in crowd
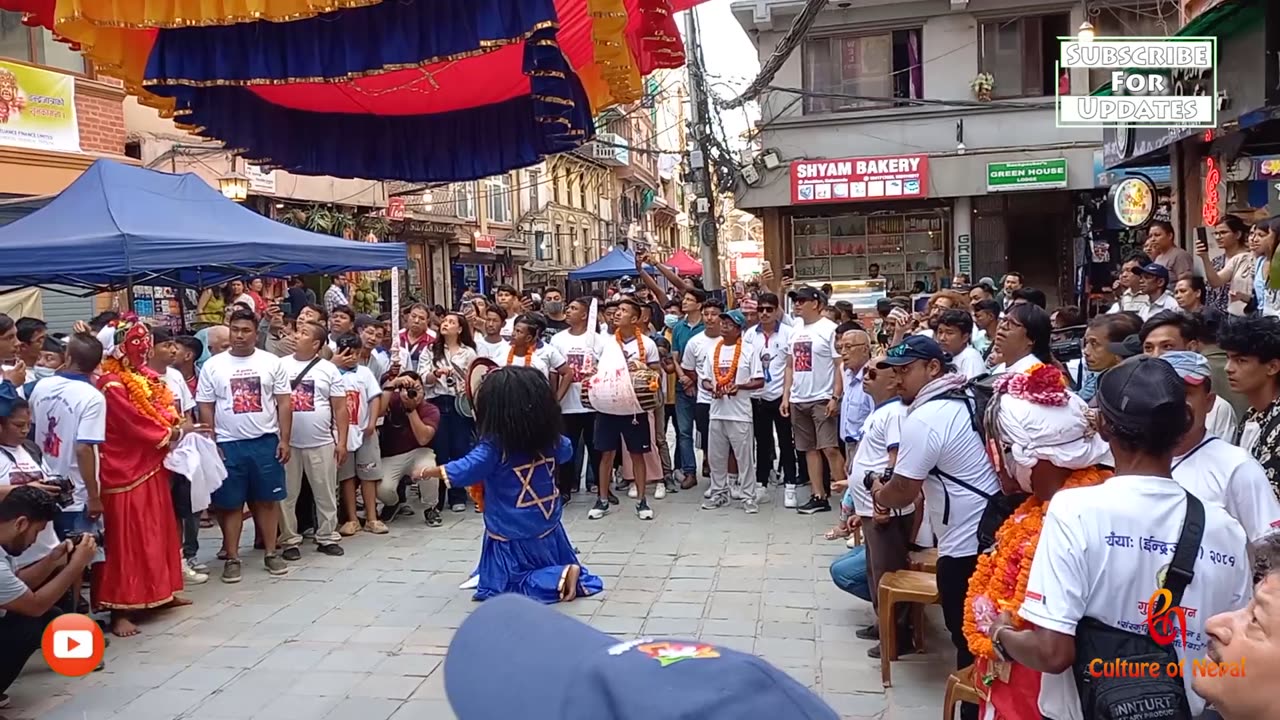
point(452, 356)
point(1229, 275)
point(1263, 243)
point(1041, 441)
point(1190, 293)
point(940, 302)
point(1022, 339)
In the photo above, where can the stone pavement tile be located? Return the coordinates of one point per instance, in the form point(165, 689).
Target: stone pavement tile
point(328, 633)
point(741, 627)
point(618, 625)
point(795, 630)
point(803, 600)
point(776, 585)
point(806, 675)
point(297, 707)
point(635, 596)
point(352, 658)
point(733, 580)
point(733, 606)
point(676, 610)
point(680, 596)
point(96, 703)
point(857, 704)
point(365, 709)
point(326, 683)
point(697, 560)
point(671, 627)
point(692, 571)
point(633, 583)
point(145, 676)
point(730, 561)
point(851, 676)
point(424, 710)
point(162, 704)
point(432, 688)
point(851, 649)
point(703, 585)
point(265, 634)
point(617, 608)
point(741, 644)
point(235, 657)
point(773, 613)
point(383, 636)
point(390, 687)
point(645, 571)
point(783, 647)
point(407, 664)
point(298, 656)
point(250, 614)
point(202, 677)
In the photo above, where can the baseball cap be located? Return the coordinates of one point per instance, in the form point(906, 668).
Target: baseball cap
point(1126, 348)
point(1156, 269)
point(806, 293)
point(1192, 367)
point(1140, 388)
point(514, 657)
point(911, 349)
point(736, 317)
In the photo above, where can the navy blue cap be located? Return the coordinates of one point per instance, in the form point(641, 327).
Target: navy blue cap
point(911, 349)
point(516, 658)
point(1139, 389)
point(1156, 269)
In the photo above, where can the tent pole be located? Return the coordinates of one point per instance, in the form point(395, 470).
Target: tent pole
point(128, 296)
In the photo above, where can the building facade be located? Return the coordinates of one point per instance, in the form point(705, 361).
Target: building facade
point(921, 138)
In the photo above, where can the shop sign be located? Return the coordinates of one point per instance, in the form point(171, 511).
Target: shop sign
point(395, 208)
point(37, 108)
point(1027, 175)
point(1133, 200)
point(261, 182)
point(486, 243)
point(964, 254)
point(898, 177)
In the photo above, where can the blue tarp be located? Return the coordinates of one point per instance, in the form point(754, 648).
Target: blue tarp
point(620, 262)
point(119, 224)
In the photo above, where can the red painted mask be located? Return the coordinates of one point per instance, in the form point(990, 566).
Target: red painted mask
point(134, 344)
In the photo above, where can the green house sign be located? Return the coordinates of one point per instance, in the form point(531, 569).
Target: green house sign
point(1027, 175)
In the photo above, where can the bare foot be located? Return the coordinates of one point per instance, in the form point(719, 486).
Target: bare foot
point(122, 626)
point(177, 602)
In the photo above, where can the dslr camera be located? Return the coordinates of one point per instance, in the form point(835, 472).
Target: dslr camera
point(66, 488)
point(78, 538)
point(1067, 344)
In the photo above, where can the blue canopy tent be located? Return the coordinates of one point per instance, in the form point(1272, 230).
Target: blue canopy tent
point(620, 262)
point(119, 225)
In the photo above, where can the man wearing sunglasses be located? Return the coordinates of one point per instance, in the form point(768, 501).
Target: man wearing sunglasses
point(770, 337)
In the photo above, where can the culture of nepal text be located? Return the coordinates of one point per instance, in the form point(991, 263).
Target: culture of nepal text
point(1200, 667)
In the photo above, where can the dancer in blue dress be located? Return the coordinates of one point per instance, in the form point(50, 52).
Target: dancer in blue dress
point(512, 475)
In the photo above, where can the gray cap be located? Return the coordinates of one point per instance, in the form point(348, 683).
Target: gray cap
point(1139, 389)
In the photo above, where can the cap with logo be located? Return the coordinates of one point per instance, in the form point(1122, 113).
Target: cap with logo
point(913, 348)
point(1155, 269)
point(1192, 367)
point(1139, 389)
point(516, 658)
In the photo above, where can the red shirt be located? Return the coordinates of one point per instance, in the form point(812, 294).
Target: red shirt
point(396, 434)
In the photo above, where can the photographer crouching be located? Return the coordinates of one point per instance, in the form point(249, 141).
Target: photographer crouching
point(26, 511)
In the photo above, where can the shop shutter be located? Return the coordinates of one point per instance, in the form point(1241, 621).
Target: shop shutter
point(62, 311)
point(990, 239)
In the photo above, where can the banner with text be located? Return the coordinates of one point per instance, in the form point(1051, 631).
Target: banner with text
point(1027, 175)
point(900, 177)
point(37, 108)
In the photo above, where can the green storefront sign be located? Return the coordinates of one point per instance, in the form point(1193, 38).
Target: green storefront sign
point(1027, 175)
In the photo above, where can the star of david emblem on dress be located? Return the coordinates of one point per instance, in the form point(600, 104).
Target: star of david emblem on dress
point(528, 495)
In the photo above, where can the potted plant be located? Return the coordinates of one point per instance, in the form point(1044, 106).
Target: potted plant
point(982, 86)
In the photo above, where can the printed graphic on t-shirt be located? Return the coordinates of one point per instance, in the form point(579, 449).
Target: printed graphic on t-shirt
point(581, 363)
point(304, 396)
point(353, 406)
point(17, 476)
point(803, 353)
point(52, 443)
point(246, 394)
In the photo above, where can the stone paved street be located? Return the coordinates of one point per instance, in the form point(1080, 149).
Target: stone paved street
point(364, 635)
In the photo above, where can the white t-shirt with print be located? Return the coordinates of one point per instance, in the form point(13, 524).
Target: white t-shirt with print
point(1104, 550)
point(545, 358)
point(508, 328)
point(312, 409)
point(939, 434)
point(181, 392)
point(812, 349)
point(738, 406)
point(881, 433)
point(17, 467)
point(970, 363)
point(362, 389)
point(773, 357)
point(582, 353)
point(631, 350)
point(66, 411)
point(694, 358)
point(490, 351)
point(1219, 472)
point(243, 390)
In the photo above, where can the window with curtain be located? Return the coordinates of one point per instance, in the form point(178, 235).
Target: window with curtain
point(464, 200)
point(1020, 53)
point(860, 72)
point(498, 198)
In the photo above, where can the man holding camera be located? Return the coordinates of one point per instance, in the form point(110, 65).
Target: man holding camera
point(405, 436)
point(28, 596)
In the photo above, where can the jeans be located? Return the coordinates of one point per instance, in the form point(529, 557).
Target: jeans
point(688, 461)
point(452, 441)
point(580, 429)
point(20, 637)
point(849, 573)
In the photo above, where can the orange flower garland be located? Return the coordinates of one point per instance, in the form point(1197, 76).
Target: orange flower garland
point(999, 583)
point(617, 335)
point(151, 396)
point(528, 356)
point(726, 379)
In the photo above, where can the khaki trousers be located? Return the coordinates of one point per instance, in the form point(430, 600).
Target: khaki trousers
point(321, 469)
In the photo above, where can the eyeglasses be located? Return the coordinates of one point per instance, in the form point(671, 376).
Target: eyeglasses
point(767, 308)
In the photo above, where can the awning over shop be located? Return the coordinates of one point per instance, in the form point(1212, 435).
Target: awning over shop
point(618, 263)
point(684, 264)
point(119, 225)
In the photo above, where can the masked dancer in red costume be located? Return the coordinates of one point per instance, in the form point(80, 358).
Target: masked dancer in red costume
point(143, 568)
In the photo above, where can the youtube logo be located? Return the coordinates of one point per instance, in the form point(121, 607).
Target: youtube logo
point(73, 645)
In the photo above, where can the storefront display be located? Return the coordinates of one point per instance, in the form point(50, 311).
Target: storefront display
point(908, 247)
point(161, 306)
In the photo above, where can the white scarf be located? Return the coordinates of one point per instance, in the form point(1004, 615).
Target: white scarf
point(938, 386)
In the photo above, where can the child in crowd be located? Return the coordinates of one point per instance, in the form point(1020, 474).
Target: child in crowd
point(364, 404)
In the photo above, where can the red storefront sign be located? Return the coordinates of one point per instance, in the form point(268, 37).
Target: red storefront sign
point(898, 177)
point(486, 243)
point(395, 208)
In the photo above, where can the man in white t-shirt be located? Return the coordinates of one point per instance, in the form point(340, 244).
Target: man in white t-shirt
point(954, 333)
point(1155, 283)
point(244, 395)
point(812, 392)
point(732, 368)
point(692, 364)
point(509, 300)
point(489, 344)
point(526, 349)
point(581, 347)
point(70, 419)
point(941, 449)
point(770, 338)
point(1213, 469)
point(318, 443)
point(1105, 550)
point(1167, 332)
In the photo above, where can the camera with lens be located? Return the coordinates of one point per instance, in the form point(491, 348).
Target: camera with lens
point(66, 488)
point(1067, 344)
point(78, 538)
point(869, 479)
point(411, 393)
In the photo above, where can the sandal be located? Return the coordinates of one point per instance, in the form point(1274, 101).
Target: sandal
point(836, 534)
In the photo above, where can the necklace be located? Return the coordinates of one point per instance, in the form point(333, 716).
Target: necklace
point(726, 379)
point(617, 335)
point(528, 356)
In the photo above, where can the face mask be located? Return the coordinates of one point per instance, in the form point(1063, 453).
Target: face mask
point(43, 372)
point(670, 320)
point(553, 307)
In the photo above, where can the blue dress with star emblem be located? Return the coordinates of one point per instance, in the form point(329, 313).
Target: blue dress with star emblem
point(526, 549)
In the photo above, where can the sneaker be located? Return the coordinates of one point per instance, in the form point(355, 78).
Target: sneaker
point(613, 499)
point(642, 510)
point(905, 647)
point(671, 485)
point(404, 510)
point(470, 583)
point(659, 491)
point(347, 529)
point(715, 502)
point(689, 481)
point(330, 549)
point(458, 507)
point(870, 632)
point(633, 492)
point(750, 506)
point(292, 554)
point(815, 505)
point(707, 493)
point(763, 496)
point(389, 512)
point(191, 577)
point(197, 565)
point(275, 565)
point(432, 517)
point(593, 489)
point(231, 571)
point(599, 510)
point(789, 497)
point(377, 527)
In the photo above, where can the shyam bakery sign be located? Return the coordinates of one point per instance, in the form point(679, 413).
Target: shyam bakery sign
point(899, 177)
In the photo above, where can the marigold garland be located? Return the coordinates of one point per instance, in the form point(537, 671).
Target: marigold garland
point(725, 380)
point(528, 355)
point(150, 395)
point(640, 356)
point(999, 583)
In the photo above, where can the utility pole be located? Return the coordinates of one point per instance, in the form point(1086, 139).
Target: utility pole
point(704, 224)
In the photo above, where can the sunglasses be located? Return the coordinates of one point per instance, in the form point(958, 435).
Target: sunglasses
point(767, 308)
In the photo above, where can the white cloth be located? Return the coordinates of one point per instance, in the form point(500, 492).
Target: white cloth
point(812, 349)
point(1023, 365)
point(68, 410)
point(490, 350)
point(546, 358)
point(772, 348)
point(362, 390)
point(17, 467)
point(738, 436)
point(197, 457)
point(694, 358)
point(1104, 550)
point(881, 432)
point(610, 390)
point(181, 392)
point(1221, 420)
point(969, 363)
point(312, 409)
point(243, 390)
point(1160, 304)
point(458, 362)
point(1059, 435)
point(735, 407)
point(631, 350)
point(1129, 301)
point(582, 353)
point(1217, 471)
point(508, 328)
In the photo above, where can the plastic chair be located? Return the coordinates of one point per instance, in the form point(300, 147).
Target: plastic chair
point(902, 586)
point(924, 560)
point(960, 689)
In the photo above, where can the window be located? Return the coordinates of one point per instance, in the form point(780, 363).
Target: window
point(1020, 54)
point(875, 67)
point(36, 45)
point(535, 191)
point(464, 200)
point(498, 198)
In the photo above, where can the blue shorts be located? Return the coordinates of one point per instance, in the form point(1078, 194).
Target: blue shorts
point(613, 432)
point(253, 473)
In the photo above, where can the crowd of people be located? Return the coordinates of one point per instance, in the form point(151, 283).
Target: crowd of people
point(1066, 469)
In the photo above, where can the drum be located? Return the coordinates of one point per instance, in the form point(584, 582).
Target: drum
point(646, 384)
point(476, 372)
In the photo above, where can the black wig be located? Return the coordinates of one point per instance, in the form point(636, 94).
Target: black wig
point(516, 408)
